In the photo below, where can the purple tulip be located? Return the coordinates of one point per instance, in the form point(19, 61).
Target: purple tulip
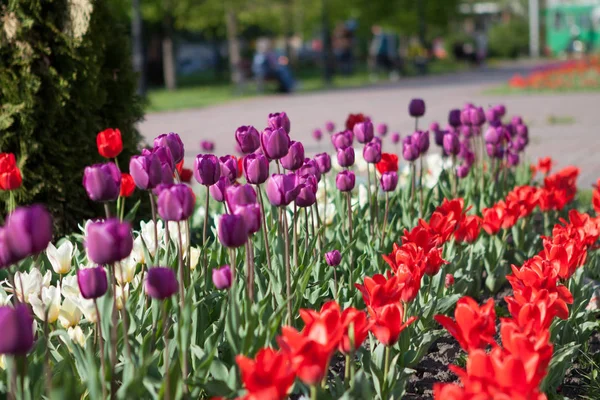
point(345, 157)
point(7, 258)
point(410, 151)
point(466, 130)
point(102, 182)
point(454, 118)
point(492, 136)
point(232, 230)
point(310, 167)
point(469, 157)
point(295, 156)
point(323, 162)
point(363, 131)
point(500, 110)
point(490, 115)
point(222, 277)
point(176, 203)
point(333, 258)
point(217, 191)
point(307, 193)
point(329, 126)
point(239, 195)
point(161, 283)
point(465, 116)
point(279, 120)
point(512, 158)
point(421, 140)
point(164, 156)
point(146, 171)
point(247, 138)
point(451, 143)
point(275, 143)
point(477, 116)
point(207, 169)
point(92, 282)
point(395, 138)
point(28, 231)
point(108, 241)
point(389, 181)
point(282, 189)
point(372, 152)
point(517, 144)
point(251, 215)
point(341, 140)
point(17, 330)
point(317, 135)
point(463, 170)
point(345, 181)
point(256, 168)
point(173, 142)
point(516, 120)
point(229, 167)
point(494, 150)
point(207, 146)
point(382, 129)
point(522, 130)
point(416, 108)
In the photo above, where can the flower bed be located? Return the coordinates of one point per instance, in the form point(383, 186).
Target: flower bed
point(286, 276)
point(563, 76)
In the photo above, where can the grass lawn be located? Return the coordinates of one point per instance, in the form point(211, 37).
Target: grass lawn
point(205, 90)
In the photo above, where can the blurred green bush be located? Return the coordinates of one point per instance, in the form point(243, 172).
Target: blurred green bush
point(508, 40)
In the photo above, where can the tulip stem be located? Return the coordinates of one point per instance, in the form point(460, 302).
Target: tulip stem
point(349, 203)
point(233, 281)
point(167, 355)
point(153, 207)
point(421, 185)
point(385, 218)
point(264, 226)
point(47, 370)
point(386, 366)
point(184, 367)
point(375, 203)
point(295, 235)
point(101, 345)
point(313, 392)
point(288, 279)
point(305, 230)
point(454, 176)
point(204, 258)
point(125, 318)
point(335, 284)
point(325, 208)
point(113, 332)
point(347, 372)
point(13, 380)
point(249, 272)
point(372, 222)
point(320, 226)
point(107, 210)
point(413, 178)
point(122, 214)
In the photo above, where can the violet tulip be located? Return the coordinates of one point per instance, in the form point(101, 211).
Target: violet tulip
point(410, 151)
point(207, 145)
point(92, 282)
point(333, 258)
point(222, 277)
point(500, 110)
point(462, 170)
point(232, 230)
point(28, 231)
point(256, 168)
point(217, 191)
point(7, 258)
point(395, 138)
point(421, 140)
point(176, 203)
point(317, 135)
point(282, 189)
point(108, 241)
point(207, 169)
point(416, 108)
point(310, 167)
point(239, 195)
point(372, 152)
point(389, 181)
point(251, 215)
point(345, 157)
point(345, 181)
point(329, 126)
point(492, 136)
point(16, 324)
point(229, 167)
point(307, 185)
point(451, 143)
point(363, 131)
point(454, 118)
point(161, 283)
point(477, 116)
point(382, 129)
point(279, 120)
point(247, 138)
point(522, 130)
point(102, 182)
point(340, 140)
point(512, 158)
point(294, 157)
point(323, 161)
point(275, 143)
point(146, 171)
point(173, 142)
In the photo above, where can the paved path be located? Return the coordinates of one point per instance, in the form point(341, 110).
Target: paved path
point(576, 143)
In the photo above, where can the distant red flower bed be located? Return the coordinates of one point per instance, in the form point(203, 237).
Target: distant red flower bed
point(568, 75)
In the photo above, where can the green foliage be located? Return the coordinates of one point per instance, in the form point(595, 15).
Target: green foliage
point(509, 40)
point(60, 84)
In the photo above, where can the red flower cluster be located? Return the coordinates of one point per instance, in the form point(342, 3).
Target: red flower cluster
point(559, 189)
point(354, 119)
point(596, 197)
point(10, 175)
point(544, 165)
point(572, 74)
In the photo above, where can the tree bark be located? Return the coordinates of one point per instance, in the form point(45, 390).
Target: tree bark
point(233, 44)
point(138, 46)
point(168, 51)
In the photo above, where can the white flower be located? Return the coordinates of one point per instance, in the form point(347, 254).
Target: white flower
point(138, 250)
point(147, 231)
point(435, 164)
point(363, 195)
point(122, 294)
point(30, 283)
point(125, 270)
point(194, 257)
point(70, 314)
point(88, 309)
point(2, 362)
point(70, 288)
point(50, 303)
point(327, 217)
point(360, 162)
point(174, 234)
point(76, 335)
point(60, 258)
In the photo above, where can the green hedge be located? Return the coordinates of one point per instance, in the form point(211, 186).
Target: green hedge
point(509, 40)
point(65, 75)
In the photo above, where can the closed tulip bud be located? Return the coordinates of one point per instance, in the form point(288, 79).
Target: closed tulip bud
point(333, 258)
point(323, 162)
point(10, 175)
point(310, 167)
point(345, 181)
point(239, 195)
point(161, 283)
point(341, 140)
point(92, 282)
point(389, 181)
point(221, 277)
point(449, 281)
point(477, 116)
point(490, 115)
point(395, 138)
point(146, 171)
point(382, 129)
point(251, 215)
point(451, 143)
point(462, 170)
point(438, 136)
point(516, 120)
point(256, 168)
point(522, 130)
point(247, 138)
point(465, 116)
point(500, 110)
point(7, 258)
point(469, 157)
point(229, 167)
point(282, 189)
point(421, 140)
point(410, 151)
point(176, 203)
point(363, 131)
point(164, 156)
point(492, 136)
point(108, 241)
point(518, 144)
point(207, 169)
point(127, 185)
point(416, 108)
point(466, 131)
point(102, 182)
point(372, 152)
point(207, 145)
point(28, 231)
point(295, 156)
point(345, 157)
point(110, 143)
point(317, 135)
point(307, 194)
point(512, 158)
point(275, 143)
point(330, 126)
point(279, 120)
point(454, 118)
point(232, 230)
point(218, 190)
point(173, 142)
point(16, 324)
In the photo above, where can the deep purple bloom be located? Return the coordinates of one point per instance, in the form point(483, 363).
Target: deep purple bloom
point(492, 136)
point(317, 135)
point(500, 110)
point(382, 129)
point(512, 158)
point(477, 116)
point(146, 171)
point(462, 170)
point(161, 283)
point(229, 167)
point(395, 137)
point(454, 118)
point(518, 143)
point(251, 214)
point(345, 157)
point(469, 157)
point(92, 282)
point(239, 195)
point(307, 193)
point(207, 145)
point(17, 330)
point(108, 241)
point(465, 116)
point(102, 182)
point(282, 189)
point(173, 142)
point(247, 138)
point(164, 156)
point(389, 181)
point(275, 143)
point(217, 191)
point(410, 151)
point(421, 140)
point(333, 258)
point(232, 230)
point(516, 120)
point(176, 203)
point(522, 130)
point(341, 140)
point(6, 256)
point(28, 231)
point(323, 162)
point(279, 120)
point(256, 168)
point(330, 126)
point(451, 143)
point(363, 131)
point(491, 115)
point(372, 152)
point(294, 157)
point(345, 181)
point(466, 130)
point(207, 169)
point(222, 277)
point(416, 108)
point(310, 167)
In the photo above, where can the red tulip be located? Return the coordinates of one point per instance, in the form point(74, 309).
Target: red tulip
point(389, 323)
point(186, 175)
point(468, 230)
point(10, 175)
point(269, 376)
point(127, 185)
point(354, 119)
point(109, 143)
point(388, 163)
point(379, 291)
point(355, 320)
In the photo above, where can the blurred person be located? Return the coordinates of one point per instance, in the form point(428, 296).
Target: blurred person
point(380, 52)
point(343, 40)
point(481, 43)
point(268, 65)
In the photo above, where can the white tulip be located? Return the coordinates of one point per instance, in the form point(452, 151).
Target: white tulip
point(88, 309)
point(49, 303)
point(138, 250)
point(125, 270)
point(327, 218)
point(30, 283)
point(2, 362)
point(76, 335)
point(122, 294)
point(60, 258)
point(70, 288)
point(70, 314)
point(174, 235)
point(147, 231)
point(360, 162)
point(194, 257)
point(363, 195)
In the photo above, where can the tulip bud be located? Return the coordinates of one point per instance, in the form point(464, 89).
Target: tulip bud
point(279, 120)
point(7, 258)
point(229, 167)
point(282, 189)
point(146, 171)
point(462, 170)
point(109, 142)
point(256, 168)
point(512, 158)
point(294, 159)
point(382, 129)
point(275, 143)
point(454, 118)
point(465, 116)
point(92, 282)
point(330, 126)
point(345, 157)
point(108, 241)
point(127, 185)
point(222, 277)
point(317, 135)
point(28, 231)
point(477, 116)
point(421, 140)
point(310, 167)
point(17, 330)
point(522, 130)
point(207, 169)
point(232, 230)
point(518, 143)
point(491, 135)
point(372, 152)
point(307, 192)
point(217, 191)
point(323, 162)
point(451, 143)
point(341, 140)
point(173, 142)
point(395, 137)
point(389, 181)
point(416, 108)
point(500, 110)
point(207, 146)
point(102, 182)
point(363, 131)
point(410, 151)
point(161, 283)
point(251, 215)
point(345, 181)
point(333, 258)
point(247, 138)
point(239, 195)
point(449, 281)
point(516, 120)
point(176, 203)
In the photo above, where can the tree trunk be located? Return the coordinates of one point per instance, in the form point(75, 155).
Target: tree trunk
point(168, 51)
point(138, 46)
point(233, 44)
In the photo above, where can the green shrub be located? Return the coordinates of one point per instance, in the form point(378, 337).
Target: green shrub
point(65, 75)
point(508, 40)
